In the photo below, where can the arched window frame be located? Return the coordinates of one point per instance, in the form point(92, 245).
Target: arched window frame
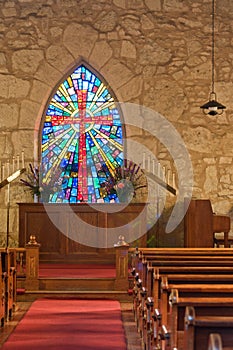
point(46, 193)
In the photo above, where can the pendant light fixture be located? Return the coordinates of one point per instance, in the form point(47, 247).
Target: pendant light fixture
point(213, 107)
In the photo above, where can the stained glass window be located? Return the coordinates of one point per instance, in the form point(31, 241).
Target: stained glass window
point(81, 132)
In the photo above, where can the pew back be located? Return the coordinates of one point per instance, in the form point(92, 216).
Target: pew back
point(197, 329)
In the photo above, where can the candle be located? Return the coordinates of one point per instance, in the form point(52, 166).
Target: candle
point(148, 165)
point(164, 172)
point(17, 162)
point(168, 176)
point(173, 180)
point(143, 160)
point(8, 168)
point(22, 159)
point(13, 164)
point(159, 169)
point(158, 192)
point(153, 166)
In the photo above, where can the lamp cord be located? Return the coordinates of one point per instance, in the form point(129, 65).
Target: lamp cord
point(213, 44)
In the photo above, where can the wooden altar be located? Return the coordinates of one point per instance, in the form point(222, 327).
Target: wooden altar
point(61, 229)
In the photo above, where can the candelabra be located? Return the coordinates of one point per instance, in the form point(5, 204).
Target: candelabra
point(6, 182)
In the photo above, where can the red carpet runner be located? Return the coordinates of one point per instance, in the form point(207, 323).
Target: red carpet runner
point(61, 324)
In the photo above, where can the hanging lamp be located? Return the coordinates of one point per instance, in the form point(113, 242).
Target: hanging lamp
point(213, 107)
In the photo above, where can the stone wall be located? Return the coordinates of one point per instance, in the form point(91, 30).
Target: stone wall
point(152, 53)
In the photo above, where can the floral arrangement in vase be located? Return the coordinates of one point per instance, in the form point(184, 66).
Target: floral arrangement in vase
point(122, 182)
point(32, 180)
point(38, 189)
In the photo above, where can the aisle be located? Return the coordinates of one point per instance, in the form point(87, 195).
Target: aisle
point(64, 324)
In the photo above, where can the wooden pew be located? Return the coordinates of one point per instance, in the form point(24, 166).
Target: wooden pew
point(152, 281)
point(8, 280)
point(8, 262)
point(198, 328)
point(149, 269)
point(145, 310)
point(138, 254)
point(189, 289)
point(192, 262)
point(207, 306)
point(3, 294)
point(215, 342)
point(179, 251)
point(180, 256)
point(12, 279)
point(158, 306)
point(201, 292)
point(163, 261)
point(158, 257)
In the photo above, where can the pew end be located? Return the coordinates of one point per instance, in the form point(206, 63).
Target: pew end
point(215, 342)
point(198, 329)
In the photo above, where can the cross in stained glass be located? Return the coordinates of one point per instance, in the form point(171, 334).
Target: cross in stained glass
point(82, 130)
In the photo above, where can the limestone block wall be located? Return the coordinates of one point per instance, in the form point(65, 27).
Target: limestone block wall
point(152, 53)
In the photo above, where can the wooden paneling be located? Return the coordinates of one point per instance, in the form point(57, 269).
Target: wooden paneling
point(62, 236)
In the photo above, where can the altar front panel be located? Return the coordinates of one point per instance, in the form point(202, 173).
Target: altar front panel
point(64, 231)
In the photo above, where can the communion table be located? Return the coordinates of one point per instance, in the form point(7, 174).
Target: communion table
point(82, 232)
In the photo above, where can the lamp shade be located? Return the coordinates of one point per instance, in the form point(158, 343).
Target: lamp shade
point(213, 108)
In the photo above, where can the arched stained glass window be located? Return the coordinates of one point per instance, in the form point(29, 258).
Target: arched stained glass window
point(81, 134)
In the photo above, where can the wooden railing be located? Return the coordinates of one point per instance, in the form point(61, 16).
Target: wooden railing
point(28, 264)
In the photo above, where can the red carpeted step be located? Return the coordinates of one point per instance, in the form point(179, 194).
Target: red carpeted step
point(68, 324)
point(76, 271)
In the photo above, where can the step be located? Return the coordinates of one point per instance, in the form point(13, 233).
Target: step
point(32, 295)
point(76, 284)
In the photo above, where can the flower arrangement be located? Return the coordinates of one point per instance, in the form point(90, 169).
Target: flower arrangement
point(32, 181)
point(121, 182)
point(37, 188)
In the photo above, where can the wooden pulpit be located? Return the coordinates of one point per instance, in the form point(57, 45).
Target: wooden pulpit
point(200, 225)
